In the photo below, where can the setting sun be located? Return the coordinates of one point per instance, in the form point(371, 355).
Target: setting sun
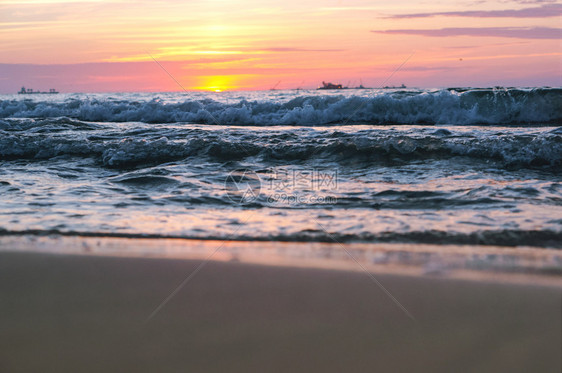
point(220, 83)
point(216, 83)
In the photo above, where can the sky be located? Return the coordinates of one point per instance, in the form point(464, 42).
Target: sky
point(212, 45)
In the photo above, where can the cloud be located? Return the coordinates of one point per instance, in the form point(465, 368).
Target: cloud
point(290, 49)
point(499, 32)
point(481, 45)
point(545, 11)
point(533, 1)
point(429, 68)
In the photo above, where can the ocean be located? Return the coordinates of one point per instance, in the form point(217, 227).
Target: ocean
point(458, 166)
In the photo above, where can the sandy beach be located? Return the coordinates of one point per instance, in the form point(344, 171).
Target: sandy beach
point(70, 313)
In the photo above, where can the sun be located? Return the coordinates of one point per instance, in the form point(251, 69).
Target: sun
point(216, 83)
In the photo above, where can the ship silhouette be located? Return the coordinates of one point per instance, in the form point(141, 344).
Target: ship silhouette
point(29, 91)
point(329, 85)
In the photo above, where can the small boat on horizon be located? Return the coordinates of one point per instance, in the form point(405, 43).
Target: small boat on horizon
point(29, 91)
point(331, 86)
point(339, 86)
point(394, 87)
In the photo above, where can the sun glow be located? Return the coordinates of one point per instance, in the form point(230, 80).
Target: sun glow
point(216, 83)
point(220, 83)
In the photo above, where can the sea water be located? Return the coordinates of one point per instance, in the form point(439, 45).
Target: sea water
point(440, 166)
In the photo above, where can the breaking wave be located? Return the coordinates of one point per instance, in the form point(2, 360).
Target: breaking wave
point(451, 106)
point(144, 146)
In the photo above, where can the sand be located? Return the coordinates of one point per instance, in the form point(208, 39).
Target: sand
point(72, 313)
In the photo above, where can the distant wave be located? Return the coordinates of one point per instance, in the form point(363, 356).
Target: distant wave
point(452, 107)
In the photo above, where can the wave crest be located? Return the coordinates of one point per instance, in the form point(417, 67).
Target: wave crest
point(514, 150)
point(475, 106)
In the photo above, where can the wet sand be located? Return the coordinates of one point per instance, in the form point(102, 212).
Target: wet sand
point(71, 313)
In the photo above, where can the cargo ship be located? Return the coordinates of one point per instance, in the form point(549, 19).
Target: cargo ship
point(339, 86)
point(331, 86)
point(29, 91)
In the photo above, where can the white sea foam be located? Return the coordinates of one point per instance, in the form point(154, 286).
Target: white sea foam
point(490, 106)
point(146, 143)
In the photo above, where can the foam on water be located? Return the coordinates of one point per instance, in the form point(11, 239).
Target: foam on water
point(139, 144)
point(453, 107)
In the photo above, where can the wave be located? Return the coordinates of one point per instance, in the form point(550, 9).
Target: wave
point(112, 150)
point(503, 237)
point(452, 106)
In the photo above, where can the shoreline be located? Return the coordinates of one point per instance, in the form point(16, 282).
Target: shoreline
point(517, 265)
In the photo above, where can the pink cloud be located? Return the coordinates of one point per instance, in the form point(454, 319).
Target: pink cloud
point(548, 10)
point(502, 32)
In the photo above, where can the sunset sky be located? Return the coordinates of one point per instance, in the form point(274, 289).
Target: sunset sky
point(106, 46)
